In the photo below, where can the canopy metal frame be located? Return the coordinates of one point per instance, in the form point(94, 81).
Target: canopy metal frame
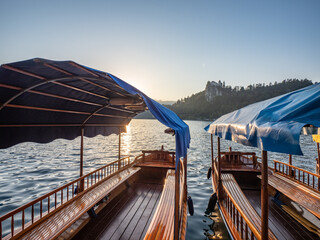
point(58, 81)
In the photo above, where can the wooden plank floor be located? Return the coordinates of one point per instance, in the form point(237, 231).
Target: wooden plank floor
point(280, 223)
point(127, 216)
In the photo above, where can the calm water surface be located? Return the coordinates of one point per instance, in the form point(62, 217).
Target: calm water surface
point(29, 170)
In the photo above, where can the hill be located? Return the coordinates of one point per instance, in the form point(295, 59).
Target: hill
point(219, 99)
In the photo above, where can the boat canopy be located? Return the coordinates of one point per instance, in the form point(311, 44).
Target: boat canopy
point(274, 124)
point(42, 100)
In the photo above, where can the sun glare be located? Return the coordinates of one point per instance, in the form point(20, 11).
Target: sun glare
point(126, 141)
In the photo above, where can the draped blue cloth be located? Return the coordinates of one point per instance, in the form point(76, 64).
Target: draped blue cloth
point(274, 124)
point(165, 116)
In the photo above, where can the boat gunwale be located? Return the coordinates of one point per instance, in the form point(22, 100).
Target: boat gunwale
point(222, 208)
point(45, 214)
point(245, 218)
point(300, 169)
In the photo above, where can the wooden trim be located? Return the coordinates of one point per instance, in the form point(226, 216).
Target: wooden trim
point(246, 219)
point(84, 69)
point(22, 71)
point(176, 201)
point(264, 197)
point(64, 98)
point(55, 81)
point(93, 114)
point(219, 172)
point(318, 162)
point(32, 87)
point(300, 169)
point(81, 160)
point(290, 163)
point(212, 157)
point(119, 147)
point(230, 224)
point(38, 219)
point(79, 89)
point(105, 88)
point(185, 167)
point(19, 209)
point(48, 94)
point(58, 69)
point(236, 152)
point(294, 173)
point(64, 111)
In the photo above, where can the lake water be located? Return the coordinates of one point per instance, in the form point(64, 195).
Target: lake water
point(29, 170)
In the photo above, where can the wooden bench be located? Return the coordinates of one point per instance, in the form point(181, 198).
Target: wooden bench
point(161, 226)
point(233, 189)
point(56, 223)
point(300, 194)
point(157, 158)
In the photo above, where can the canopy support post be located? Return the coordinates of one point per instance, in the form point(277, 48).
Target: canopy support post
point(318, 162)
point(219, 172)
point(176, 201)
point(119, 150)
point(290, 163)
point(264, 197)
point(185, 162)
point(81, 160)
point(212, 158)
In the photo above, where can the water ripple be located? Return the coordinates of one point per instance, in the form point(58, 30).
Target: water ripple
point(29, 170)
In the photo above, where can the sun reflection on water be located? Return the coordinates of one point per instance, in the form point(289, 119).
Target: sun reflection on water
point(126, 141)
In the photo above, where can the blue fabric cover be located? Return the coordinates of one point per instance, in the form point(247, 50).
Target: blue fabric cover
point(274, 124)
point(102, 86)
point(165, 116)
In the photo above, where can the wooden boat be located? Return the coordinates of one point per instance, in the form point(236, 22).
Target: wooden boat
point(140, 198)
point(261, 202)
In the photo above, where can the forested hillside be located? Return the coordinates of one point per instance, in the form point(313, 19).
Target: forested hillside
point(196, 107)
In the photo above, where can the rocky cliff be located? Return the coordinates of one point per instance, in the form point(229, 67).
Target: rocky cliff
point(213, 89)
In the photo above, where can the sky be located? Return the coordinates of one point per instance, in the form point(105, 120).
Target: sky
point(169, 49)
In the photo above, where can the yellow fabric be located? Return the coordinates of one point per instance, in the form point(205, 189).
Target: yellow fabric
point(316, 138)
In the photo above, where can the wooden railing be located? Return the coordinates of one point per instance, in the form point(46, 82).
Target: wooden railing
point(215, 174)
point(239, 158)
point(240, 221)
point(158, 154)
point(300, 175)
point(182, 188)
point(182, 197)
point(238, 218)
point(31, 213)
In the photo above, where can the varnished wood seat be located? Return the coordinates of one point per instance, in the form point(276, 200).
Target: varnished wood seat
point(305, 196)
point(231, 186)
point(162, 223)
point(54, 224)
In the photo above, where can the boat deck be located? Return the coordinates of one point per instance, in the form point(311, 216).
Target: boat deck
point(280, 223)
point(127, 216)
point(306, 197)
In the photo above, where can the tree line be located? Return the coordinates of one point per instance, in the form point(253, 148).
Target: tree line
point(196, 107)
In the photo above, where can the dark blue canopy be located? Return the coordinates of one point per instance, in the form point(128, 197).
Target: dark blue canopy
point(274, 124)
point(42, 100)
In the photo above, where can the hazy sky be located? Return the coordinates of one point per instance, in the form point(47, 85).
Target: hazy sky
point(169, 49)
